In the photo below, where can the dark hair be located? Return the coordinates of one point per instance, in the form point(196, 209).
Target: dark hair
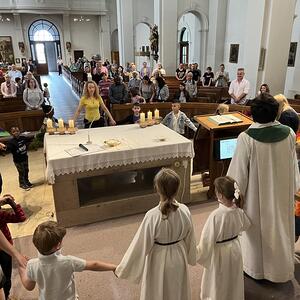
point(225, 186)
point(266, 86)
point(222, 65)
point(176, 101)
point(47, 108)
point(134, 92)
point(167, 182)
point(103, 74)
point(136, 104)
point(17, 79)
point(48, 235)
point(209, 68)
point(264, 108)
point(160, 82)
point(146, 77)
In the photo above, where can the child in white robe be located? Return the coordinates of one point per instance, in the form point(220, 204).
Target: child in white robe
point(219, 250)
point(163, 246)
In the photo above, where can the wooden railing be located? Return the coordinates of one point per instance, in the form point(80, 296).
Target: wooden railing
point(75, 79)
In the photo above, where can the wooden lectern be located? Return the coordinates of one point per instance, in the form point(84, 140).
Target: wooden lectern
point(205, 143)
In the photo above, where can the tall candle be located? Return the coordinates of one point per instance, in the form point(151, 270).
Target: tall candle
point(156, 114)
point(71, 123)
point(142, 117)
point(60, 123)
point(149, 115)
point(49, 123)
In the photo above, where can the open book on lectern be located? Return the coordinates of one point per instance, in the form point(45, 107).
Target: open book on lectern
point(225, 119)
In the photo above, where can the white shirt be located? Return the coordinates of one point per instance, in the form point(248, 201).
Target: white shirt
point(14, 74)
point(239, 88)
point(54, 275)
point(175, 124)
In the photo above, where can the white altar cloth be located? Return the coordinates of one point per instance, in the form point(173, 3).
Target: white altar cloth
point(138, 145)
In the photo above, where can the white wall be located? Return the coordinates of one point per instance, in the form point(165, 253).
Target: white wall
point(142, 33)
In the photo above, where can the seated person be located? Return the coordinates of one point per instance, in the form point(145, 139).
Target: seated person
point(118, 93)
point(177, 120)
point(132, 118)
point(8, 88)
point(182, 94)
point(135, 96)
point(33, 96)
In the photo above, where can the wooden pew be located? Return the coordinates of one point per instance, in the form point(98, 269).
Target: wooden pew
point(12, 104)
point(30, 120)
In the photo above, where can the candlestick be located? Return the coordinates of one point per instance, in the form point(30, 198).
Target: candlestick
point(142, 117)
point(60, 123)
point(156, 114)
point(149, 115)
point(71, 123)
point(49, 123)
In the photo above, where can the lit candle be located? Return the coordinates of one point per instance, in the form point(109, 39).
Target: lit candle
point(49, 123)
point(149, 115)
point(142, 117)
point(60, 123)
point(156, 114)
point(71, 123)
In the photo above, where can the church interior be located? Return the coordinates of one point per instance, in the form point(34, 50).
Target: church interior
point(100, 97)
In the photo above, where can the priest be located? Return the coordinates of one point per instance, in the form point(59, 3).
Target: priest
point(265, 166)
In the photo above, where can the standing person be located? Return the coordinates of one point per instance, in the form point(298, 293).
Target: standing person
point(60, 64)
point(196, 72)
point(191, 85)
point(14, 73)
point(18, 147)
point(159, 70)
point(163, 246)
point(104, 86)
point(52, 271)
point(33, 96)
point(145, 70)
point(219, 250)
point(8, 88)
point(134, 82)
point(162, 90)
point(264, 88)
point(265, 167)
point(208, 77)
point(147, 89)
point(180, 73)
point(91, 101)
point(222, 77)
point(182, 94)
point(239, 88)
point(118, 93)
point(46, 92)
point(16, 216)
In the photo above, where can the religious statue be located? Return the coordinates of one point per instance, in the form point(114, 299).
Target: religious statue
point(154, 41)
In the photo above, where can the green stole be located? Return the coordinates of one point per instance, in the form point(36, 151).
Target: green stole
point(271, 134)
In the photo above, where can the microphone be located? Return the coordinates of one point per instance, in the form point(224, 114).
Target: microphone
point(89, 138)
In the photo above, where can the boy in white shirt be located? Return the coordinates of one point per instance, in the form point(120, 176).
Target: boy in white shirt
point(52, 271)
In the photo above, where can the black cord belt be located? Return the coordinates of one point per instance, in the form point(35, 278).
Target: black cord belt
point(166, 244)
point(228, 240)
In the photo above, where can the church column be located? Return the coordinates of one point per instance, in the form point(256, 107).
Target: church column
point(276, 40)
point(125, 31)
point(216, 34)
point(66, 55)
point(19, 38)
point(104, 37)
point(165, 17)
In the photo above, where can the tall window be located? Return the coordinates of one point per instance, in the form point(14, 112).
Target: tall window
point(184, 46)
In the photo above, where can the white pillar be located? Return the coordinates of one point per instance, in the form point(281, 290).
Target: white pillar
point(104, 37)
point(216, 34)
point(165, 17)
point(125, 31)
point(277, 38)
point(66, 56)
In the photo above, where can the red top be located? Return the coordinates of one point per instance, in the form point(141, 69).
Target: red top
point(7, 217)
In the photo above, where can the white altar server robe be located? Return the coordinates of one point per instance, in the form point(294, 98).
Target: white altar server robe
point(268, 177)
point(223, 277)
point(164, 268)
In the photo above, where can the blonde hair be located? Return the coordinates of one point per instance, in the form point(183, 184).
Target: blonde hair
point(47, 236)
point(167, 183)
point(86, 93)
point(283, 104)
point(225, 186)
point(223, 108)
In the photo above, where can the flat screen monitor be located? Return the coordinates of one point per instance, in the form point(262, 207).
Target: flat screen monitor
point(224, 148)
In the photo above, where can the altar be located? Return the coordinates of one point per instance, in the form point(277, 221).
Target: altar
point(108, 182)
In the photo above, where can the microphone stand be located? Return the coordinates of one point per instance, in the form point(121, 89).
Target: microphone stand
point(89, 138)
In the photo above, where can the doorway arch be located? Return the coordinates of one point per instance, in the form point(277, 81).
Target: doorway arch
point(45, 46)
point(141, 44)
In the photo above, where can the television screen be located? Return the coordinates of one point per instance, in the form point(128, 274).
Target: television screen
point(227, 148)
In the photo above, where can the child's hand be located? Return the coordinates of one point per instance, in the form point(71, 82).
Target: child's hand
point(2, 146)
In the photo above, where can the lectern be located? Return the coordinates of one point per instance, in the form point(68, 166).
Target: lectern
point(214, 145)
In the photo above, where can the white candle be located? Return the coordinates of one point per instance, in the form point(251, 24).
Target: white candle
point(149, 115)
point(142, 117)
point(71, 123)
point(60, 123)
point(156, 114)
point(49, 123)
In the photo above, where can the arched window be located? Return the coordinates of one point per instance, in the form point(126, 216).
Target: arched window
point(184, 46)
point(43, 30)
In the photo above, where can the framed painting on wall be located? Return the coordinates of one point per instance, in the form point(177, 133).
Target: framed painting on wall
point(234, 53)
point(6, 50)
point(292, 54)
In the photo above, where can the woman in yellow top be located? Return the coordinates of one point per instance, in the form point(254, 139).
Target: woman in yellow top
point(92, 102)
